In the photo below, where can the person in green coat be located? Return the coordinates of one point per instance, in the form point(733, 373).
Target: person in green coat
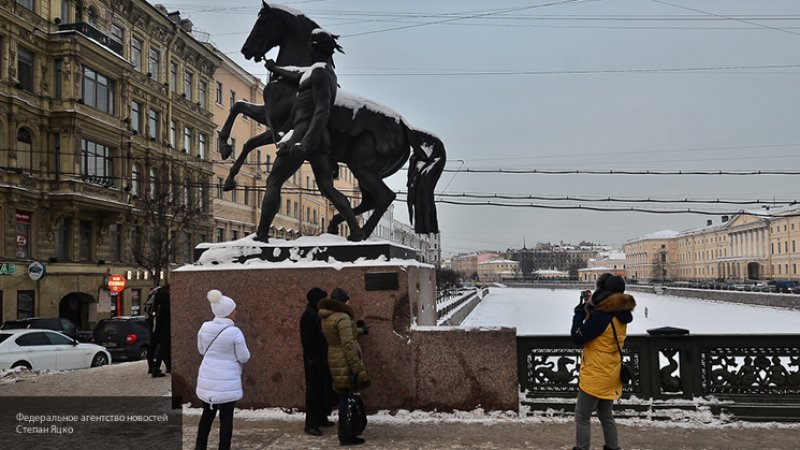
point(344, 353)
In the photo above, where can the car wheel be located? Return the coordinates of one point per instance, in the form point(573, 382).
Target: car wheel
point(142, 353)
point(99, 359)
point(24, 364)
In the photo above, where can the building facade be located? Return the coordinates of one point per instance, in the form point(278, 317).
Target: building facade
point(752, 245)
point(105, 128)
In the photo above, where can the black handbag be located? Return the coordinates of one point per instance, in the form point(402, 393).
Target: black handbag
point(355, 417)
point(625, 369)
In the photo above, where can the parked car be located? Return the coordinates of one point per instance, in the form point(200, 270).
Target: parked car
point(60, 324)
point(33, 348)
point(125, 338)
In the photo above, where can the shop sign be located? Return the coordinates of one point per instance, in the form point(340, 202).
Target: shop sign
point(36, 270)
point(116, 283)
point(7, 269)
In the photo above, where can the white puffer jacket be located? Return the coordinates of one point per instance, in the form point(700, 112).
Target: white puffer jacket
point(220, 377)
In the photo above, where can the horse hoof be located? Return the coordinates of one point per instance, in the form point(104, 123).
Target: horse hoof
point(261, 238)
point(356, 236)
point(225, 151)
point(230, 184)
point(333, 230)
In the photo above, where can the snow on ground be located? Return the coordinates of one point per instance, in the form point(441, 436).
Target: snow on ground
point(549, 312)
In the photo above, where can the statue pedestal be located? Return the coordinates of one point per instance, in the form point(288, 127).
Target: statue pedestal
point(410, 369)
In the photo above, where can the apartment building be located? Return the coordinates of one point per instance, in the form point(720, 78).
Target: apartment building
point(105, 128)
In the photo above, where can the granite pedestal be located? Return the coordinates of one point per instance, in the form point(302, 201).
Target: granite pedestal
point(412, 367)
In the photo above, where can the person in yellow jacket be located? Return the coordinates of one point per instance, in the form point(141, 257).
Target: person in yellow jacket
point(600, 384)
point(344, 353)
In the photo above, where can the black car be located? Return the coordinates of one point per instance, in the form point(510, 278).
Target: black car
point(125, 338)
point(60, 324)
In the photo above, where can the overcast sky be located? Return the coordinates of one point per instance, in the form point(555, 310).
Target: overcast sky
point(604, 85)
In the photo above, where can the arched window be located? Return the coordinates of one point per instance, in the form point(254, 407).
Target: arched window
point(24, 150)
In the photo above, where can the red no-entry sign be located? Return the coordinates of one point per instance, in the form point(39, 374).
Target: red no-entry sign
point(116, 283)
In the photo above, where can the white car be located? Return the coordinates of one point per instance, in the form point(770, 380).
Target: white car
point(46, 349)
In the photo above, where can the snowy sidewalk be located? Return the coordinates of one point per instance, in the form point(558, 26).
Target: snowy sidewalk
point(275, 429)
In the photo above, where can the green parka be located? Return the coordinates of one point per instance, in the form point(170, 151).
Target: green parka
point(344, 353)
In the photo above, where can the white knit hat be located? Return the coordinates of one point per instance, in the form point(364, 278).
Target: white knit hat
point(221, 305)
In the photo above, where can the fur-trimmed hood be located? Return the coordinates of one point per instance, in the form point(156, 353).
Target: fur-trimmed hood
point(616, 303)
point(327, 307)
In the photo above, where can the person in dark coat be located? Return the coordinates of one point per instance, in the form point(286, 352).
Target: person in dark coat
point(160, 340)
point(315, 362)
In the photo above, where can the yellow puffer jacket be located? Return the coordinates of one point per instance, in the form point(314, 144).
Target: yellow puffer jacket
point(344, 353)
point(600, 361)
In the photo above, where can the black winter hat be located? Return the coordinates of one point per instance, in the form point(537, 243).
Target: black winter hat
point(340, 294)
point(315, 295)
point(607, 284)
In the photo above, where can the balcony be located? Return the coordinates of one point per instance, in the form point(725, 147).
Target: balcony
point(93, 33)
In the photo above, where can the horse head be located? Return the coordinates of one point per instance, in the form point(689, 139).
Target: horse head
point(283, 27)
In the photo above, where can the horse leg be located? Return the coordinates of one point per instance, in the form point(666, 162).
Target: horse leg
point(251, 110)
point(283, 169)
point(367, 204)
point(257, 141)
point(381, 194)
point(320, 164)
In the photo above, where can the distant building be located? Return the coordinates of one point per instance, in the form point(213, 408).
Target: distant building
point(497, 270)
point(752, 245)
point(466, 264)
point(606, 261)
point(560, 257)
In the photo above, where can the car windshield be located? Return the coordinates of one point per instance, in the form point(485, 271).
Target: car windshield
point(4, 336)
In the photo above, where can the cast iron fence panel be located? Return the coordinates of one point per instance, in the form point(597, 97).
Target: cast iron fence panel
point(741, 368)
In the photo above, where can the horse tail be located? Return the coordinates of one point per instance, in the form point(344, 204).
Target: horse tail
point(425, 166)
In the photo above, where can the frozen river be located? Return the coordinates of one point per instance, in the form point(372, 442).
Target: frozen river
point(546, 311)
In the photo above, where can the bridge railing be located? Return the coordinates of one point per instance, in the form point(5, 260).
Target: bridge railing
point(760, 370)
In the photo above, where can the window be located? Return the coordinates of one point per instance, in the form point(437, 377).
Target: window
point(201, 145)
point(96, 163)
point(202, 87)
point(115, 241)
point(154, 185)
point(136, 179)
point(189, 248)
point(28, 4)
point(188, 81)
point(136, 242)
point(152, 123)
point(234, 235)
point(173, 133)
point(136, 53)
point(219, 92)
point(219, 188)
point(22, 225)
point(220, 235)
point(153, 61)
point(58, 66)
point(25, 69)
point(187, 193)
point(173, 76)
point(187, 139)
point(233, 98)
point(117, 33)
point(64, 239)
point(203, 198)
point(234, 196)
point(98, 91)
point(65, 11)
point(288, 207)
point(269, 163)
point(24, 150)
point(247, 195)
point(136, 117)
point(85, 240)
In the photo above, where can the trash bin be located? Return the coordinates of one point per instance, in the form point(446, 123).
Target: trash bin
point(667, 331)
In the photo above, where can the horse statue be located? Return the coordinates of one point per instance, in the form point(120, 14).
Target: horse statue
point(372, 140)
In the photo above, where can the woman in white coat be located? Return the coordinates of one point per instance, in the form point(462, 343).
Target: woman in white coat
point(219, 381)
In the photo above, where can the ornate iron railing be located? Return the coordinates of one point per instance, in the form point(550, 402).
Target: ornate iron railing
point(740, 369)
point(91, 32)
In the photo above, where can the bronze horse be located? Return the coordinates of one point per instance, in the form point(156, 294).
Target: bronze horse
point(373, 141)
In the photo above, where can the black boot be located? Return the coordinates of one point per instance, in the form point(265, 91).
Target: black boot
point(605, 447)
point(347, 439)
